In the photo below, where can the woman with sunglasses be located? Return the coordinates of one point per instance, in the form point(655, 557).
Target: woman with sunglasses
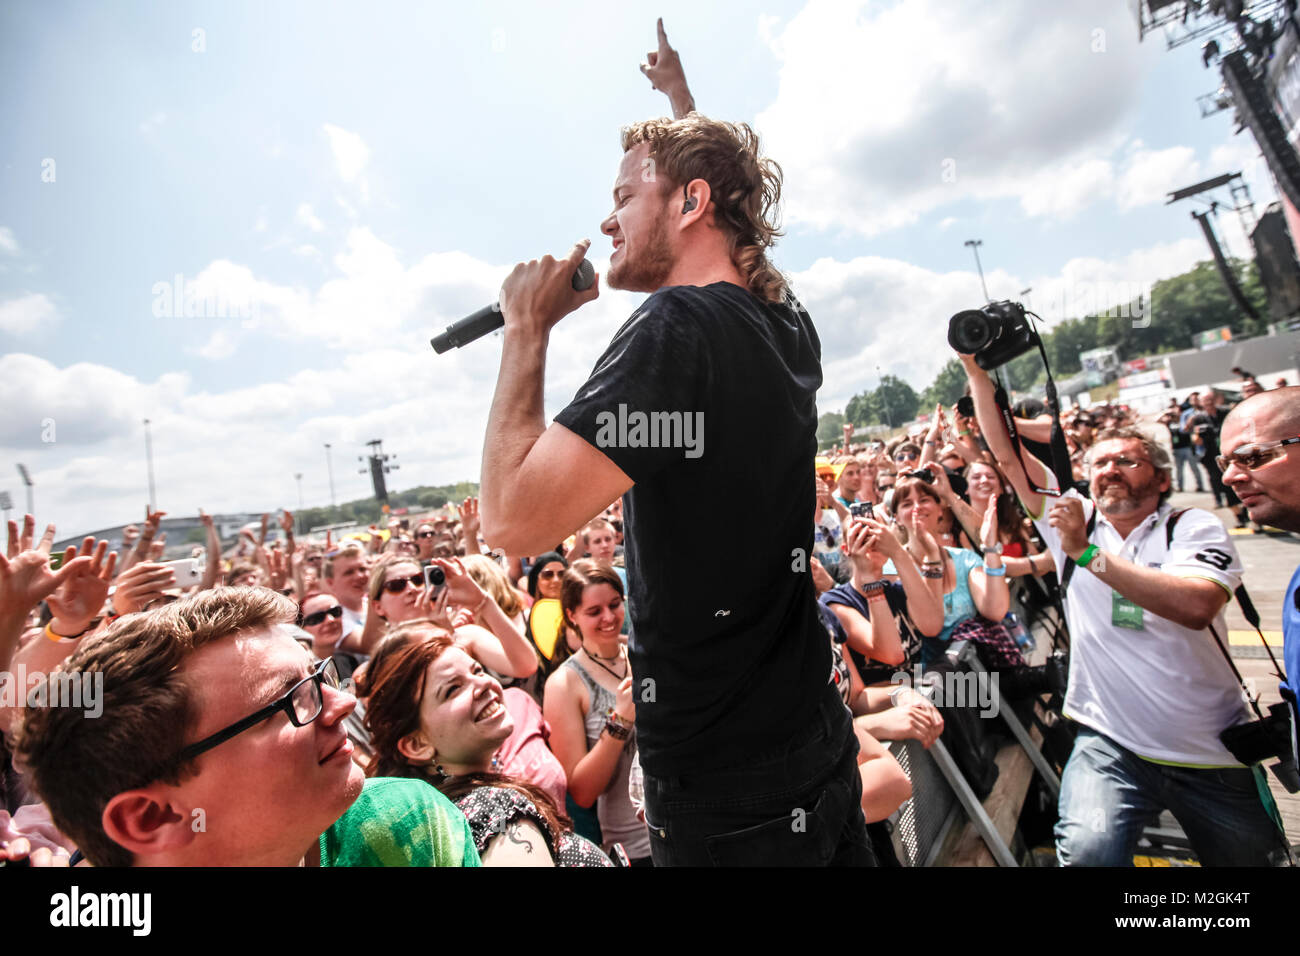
point(321, 616)
point(398, 594)
point(435, 714)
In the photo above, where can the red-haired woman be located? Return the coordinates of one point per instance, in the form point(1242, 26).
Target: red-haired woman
point(435, 714)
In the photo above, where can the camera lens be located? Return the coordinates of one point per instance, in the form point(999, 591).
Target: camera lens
point(970, 331)
point(436, 576)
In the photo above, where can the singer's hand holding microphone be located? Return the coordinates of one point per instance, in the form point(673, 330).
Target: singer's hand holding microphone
point(534, 297)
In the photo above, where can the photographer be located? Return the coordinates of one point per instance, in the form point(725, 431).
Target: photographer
point(1181, 444)
point(1147, 683)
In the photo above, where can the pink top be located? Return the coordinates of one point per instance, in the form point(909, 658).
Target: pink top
point(525, 754)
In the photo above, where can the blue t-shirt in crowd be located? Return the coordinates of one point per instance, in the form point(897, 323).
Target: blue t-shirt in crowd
point(1291, 651)
point(958, 604)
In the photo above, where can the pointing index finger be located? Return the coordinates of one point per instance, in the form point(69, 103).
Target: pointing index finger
point(579, 252)
point(663, 37)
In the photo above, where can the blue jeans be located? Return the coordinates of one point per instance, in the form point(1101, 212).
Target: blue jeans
point(797, 804)
point(1185, 456)
point(1109, 794)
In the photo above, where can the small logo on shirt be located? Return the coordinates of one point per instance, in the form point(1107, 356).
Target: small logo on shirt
point(721, 613)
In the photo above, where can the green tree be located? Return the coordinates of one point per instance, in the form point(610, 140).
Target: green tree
point(948, 386)
point(830, 429)
point(894, 402)
point(858, 411)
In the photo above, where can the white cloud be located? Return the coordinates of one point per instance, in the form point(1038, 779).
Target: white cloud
point(351, 154)
point(27, 314)
point(152, 124)
point(1150, 175)
point(873, 311)
point(307, 217)
point(8, 241)
point(882, 116)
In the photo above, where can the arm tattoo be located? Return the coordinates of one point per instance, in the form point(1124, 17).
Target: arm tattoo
point(513, 834)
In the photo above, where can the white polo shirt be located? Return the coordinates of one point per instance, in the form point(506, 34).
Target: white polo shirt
point(1161, 690)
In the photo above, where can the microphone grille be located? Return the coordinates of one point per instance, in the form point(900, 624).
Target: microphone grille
point(584, 276)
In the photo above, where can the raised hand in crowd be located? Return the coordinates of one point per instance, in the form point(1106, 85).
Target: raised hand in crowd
point(663, 68)
point(159, 548)
point(144, 543)
point(286, 525)
point(212, 560)
point(825, 499)
point(74, 605)
point(501, 645)
point(26, 579)
point(141, 585)
point(277, 565)
point(469, 524)
point(80, 598)
point(930, 448)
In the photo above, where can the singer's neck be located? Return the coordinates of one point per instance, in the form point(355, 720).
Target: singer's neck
point(703, 273)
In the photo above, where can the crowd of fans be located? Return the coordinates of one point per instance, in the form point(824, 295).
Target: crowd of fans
point(487, 700)
point(405, 697)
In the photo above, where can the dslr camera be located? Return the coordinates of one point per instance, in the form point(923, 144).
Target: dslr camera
point(994, 334)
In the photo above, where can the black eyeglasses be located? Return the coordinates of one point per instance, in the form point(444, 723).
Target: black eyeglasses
point(398, 585)
point(427, 534)
point(303, 703)
point(318, 617)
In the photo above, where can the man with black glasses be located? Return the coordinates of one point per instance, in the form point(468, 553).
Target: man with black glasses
point(220, 744)
point(1148, 686)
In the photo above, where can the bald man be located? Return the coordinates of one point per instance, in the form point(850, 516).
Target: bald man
point(1260, 458)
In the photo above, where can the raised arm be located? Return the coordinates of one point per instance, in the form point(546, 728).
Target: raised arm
point(663, 67)
point(999, 442)
point(501, 645)
point(212, 567)
point(538, 483)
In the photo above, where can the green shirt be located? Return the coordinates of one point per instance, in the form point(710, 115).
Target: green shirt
point(399, 821)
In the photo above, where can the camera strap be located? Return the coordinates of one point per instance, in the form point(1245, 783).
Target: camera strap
point(1244, 602)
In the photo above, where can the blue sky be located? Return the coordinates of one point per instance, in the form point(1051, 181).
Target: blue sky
point(351, 177)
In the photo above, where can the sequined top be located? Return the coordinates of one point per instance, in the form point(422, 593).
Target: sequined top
point(490, 810)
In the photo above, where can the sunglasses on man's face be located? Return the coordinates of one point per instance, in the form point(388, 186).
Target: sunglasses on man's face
point(427, 534)
point(318, 617)
point(1255, 455)
point(905, 456)
point(398, 585)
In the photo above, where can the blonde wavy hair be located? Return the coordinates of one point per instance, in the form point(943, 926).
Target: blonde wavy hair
point(745, 187)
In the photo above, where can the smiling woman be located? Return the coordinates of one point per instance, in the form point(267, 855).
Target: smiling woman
point(589, 705)
point(436, 714)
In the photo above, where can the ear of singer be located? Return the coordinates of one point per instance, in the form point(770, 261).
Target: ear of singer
point(538, 294)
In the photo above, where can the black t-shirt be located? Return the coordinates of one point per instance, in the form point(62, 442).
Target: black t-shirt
point(728, 654)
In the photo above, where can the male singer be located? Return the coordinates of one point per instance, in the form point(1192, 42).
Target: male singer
point(749, 755)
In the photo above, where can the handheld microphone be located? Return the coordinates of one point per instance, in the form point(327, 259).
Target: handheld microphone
point(489, 318)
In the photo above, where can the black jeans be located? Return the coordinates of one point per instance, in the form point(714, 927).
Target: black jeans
point(797, 804)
